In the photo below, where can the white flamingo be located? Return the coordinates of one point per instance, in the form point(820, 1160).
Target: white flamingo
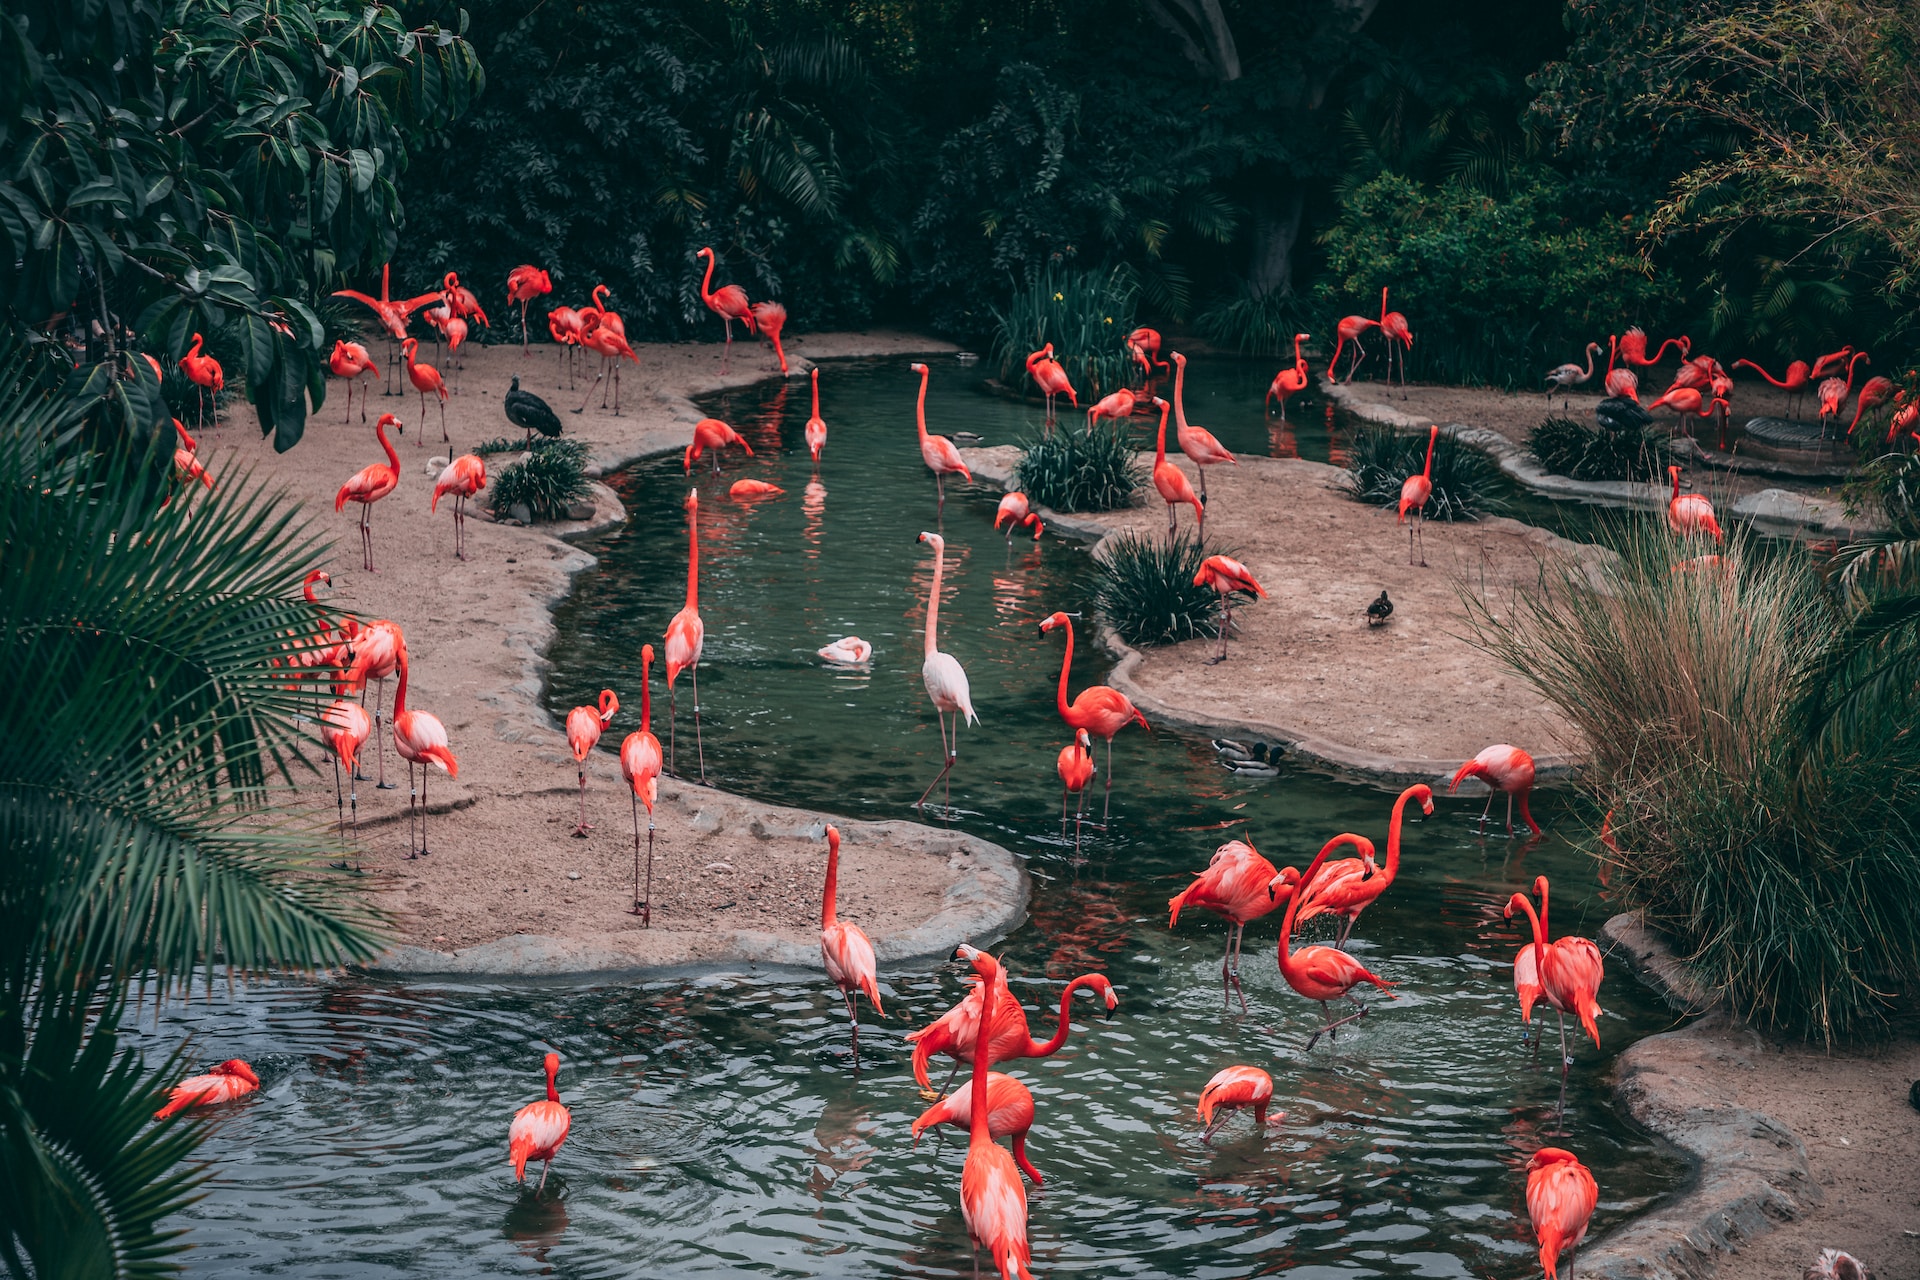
point(945, 679)
point(1571, 375)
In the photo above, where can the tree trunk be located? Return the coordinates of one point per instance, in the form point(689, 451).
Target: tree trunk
point(1203, 33)
point(1276, 226)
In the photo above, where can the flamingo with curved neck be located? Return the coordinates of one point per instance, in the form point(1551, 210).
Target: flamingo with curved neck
point(1347, 888)
point(729, 302)
point(1171, 482)
point(1323, 973)
point(939, 452)
point(1569, 972)
point(945, 679)
point(1196, 442)
point(1100, 709)
point(993, 1201)
point(956, 1032)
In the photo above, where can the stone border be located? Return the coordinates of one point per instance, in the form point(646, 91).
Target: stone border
point(1750, 1171)
point(987, 901)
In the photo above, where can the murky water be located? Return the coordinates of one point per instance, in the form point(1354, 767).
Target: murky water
point(718, 1127)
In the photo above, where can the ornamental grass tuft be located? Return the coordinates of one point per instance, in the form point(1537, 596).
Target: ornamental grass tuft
point(1380, 459)
point(553, 478)
point(1145, 590)
point(1071, 471)
point(1573, 449)
point(1086, 315)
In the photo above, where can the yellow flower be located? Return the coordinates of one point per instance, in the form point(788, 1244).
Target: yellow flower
point(1109, 319)
point(1059, 297)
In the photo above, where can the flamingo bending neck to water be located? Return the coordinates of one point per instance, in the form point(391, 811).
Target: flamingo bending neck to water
point(640, 766)
point(944, 677)
point(1232, 1088)
point(844, 947)
point(1100, 710)
point(686, 637)
point(1234, 885)
point(584, 727)
point(1009, 1113)
point(1506, 769)
point(1352, 890)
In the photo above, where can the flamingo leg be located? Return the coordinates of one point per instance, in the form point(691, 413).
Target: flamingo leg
point(380, 748)
point(1485, 812)
point(413, 798)
point(940, 487)
point(1420, 527)
point(853, 1016)
point(339, 805)
point(589, 395)
point(1226, 603)
point(616, 386)
point(424, 851)
point(636, 908)
point(1106, 805)
point(581, 828)
point(1509, 811)
point(697, 745)
point(672, 723)
point(545, 1169)
point(1079, 811)
point(947, 765)
point(1332, 1029)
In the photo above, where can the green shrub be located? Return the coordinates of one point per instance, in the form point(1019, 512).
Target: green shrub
point(1145, 590)
point(1086, 315)
point(1071, 471)
point(553, 478)
point(1261, 326)
point(1888, 487)
point(1755, 760)
point(1380, 459)
point(1581, 452)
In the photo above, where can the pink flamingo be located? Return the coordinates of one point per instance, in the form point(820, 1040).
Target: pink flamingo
point(771, 318)
point(538, 1130)
point(370, 484)
point(1689, 514)
point(1508, 771)
point(186, 465)
point(640, 766)
point(584, 727)
point(1393, 325)
point(344, 728)
point(563, 323)
point(686, 637)
point(204, 372)
point(1826, 364)
point(1414, 493)
point(1144, 344)
point(1562, 377)
point(390, 312)
point(1633, 347)
point(425, 378)
point(728, 302)
point(606, 340)
point(1171, 482)
point(1117, 407)
point(1075, 767)
point(1226, 576)
point(348, 361)
point(1349, 330)
point(993, 1200)
point(1232, 1088)
point(1291, 381)
point(939, 452)
point(844, 947)
point(524, 284)
point(465, 476)
point(1009, 1113)
point(1798, 375)
point(1833, 392)
point(1051, 377)
point(1346, 890)
point(711, 433)
point(1099, 709)
point(1874, 393)
point(1323, 973)
point(956, 1032)
point(1570, 972)
point(231, 1079)
point(1196, 442)
point(816, 433)
point(420, 739)
point(1561, 1197)
point(1234, 885)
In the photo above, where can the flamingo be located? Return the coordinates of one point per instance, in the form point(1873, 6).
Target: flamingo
point(956, 1032)
point(538, 1130)
point(1009, 1113)
point(1561, 1195)
point(849, 651)
point(1569, 972)
point(231, 1079)
point(1526, 969)
point(640, 766)
point(1117, 407)
point(686, 637)
point(584, 727)
point(1561, 377)
point(344, 727)
point(460, 300)
point(1874, 393)
point(370, 484)
point(1798, 374)
point(944, 677)
point(1226, 576)
point(728, 302)
point(711, 433)
point(1232, 1088)
point(1291, 381)
point(1100, 709)
point(1171, 481)
point(992, 1198)
point(939, 452)
point(1689, 513)
point(816, 432)
point(456, 333)
point(524, 284)
point(349, 360)
point(376, 650)
point(391, 313)
point(1622, 383)
point(425, 378)
point(1350, 329)
point(465, 476)
point(1393, 326)
point(1906, 413)
point(1509, 771)
point(1075, 767)
point(1826, 364)
point(844, 948)
point(420, 739)
point(610, 344)
point(189, 468)
point(771, 318)
point(1322, 973)
point(1015, 510)
point(1144, 343)
point(1234, 885)
point(1833, 392)
point(1414, 493)
point(203, 372)
point(563, 324)
point(1347, 891)
point(1633, 347)
point(750, 490)
point(1048, 374)
point(1196, 442)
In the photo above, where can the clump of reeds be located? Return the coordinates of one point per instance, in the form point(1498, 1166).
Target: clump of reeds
point(1380, 459)
point(553, 478)
point(1070, 470)
point(1086, 315)
point(1146, 593)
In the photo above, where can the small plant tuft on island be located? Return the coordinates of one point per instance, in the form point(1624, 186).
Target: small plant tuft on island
point(1573, 449)
point(1380, 459)
point(1146, 593)
point(553, 478)
point(1070, 471)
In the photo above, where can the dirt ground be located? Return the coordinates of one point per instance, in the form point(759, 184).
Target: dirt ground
point(1305, 660)
point(503, 861)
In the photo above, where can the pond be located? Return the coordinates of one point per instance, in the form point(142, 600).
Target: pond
point(719, 1128)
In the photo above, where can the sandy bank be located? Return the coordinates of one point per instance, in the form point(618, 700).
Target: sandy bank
point(1408, 700)
point(506, 888)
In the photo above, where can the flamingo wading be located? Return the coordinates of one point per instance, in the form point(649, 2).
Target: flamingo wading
point(1100, 710)
point(944, 677)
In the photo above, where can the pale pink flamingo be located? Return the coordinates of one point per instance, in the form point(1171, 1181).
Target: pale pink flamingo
point(1009, 1114)
point(421, 740)
point(686, 637)
point(939, 452)
point(993, 1200)
point(1171, 482)
point(1561, 1196)
point(1323, 973)
point(1509, 771)
point(584, 727)
point(465, 476)
point(1414, 493)
point(538, 1130)
point(1232, 1088)
point(348, 361)
point(945, 679)
point(1100, 709)
point(370, 484)
point(1234, 885)
point(1346, 891)
point(844, 947)
point(1562, 377)
point(231, 1079)
point(848, 651)
point(1196, 442)
point(1226, 576)
point(816, 432)
point(640, 766)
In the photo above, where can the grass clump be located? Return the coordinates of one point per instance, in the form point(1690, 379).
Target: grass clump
point(553, 478)
point(1749, 733)
point(1580, 452)
point(1145, 591)
point(1380, 459)
point(1086, 315)
point(1071, 471)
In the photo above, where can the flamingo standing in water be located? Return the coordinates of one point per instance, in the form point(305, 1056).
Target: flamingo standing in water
point(1690, 513)
point(538, 1130)
point(1101, 710)
point(1349, 330)
point(1413, 497)
point(1144, 343)
point(1075, 767)
point(348, 361)
point(1509, 771)
point(392, 314)
point(1633, 347)
point(420, 739)
point(1226, 576)
point(524, 284)
point(1569, 972)
point(844, 948)
point(1232, 1088)
point(640, 766)
point(189, 468)
point(1347, 891)
point(344, 727)
point(1322, 973)
point(465, 476)
point(816, 433)
point(204, 372)
point(1234, 885)
point(686, 637)
point(771, 318)
point(231, 1079)
point(993, 1200)
point(944, 677)
point(1017, 512)
point(1196, 442)
point(729, 302)
point(939, 452)
point(1526, 968)
point(584, 727)
point(711, 433)
point(956, 1032)
point(1051, 377)
point(1009, 1114)
point(425, 378)
point(1171, 482)
point(1561, 1195)
point(370, 484)
point(1291, 381)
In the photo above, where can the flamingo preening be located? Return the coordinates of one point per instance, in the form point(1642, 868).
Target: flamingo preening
point(584, 727)
point(640, 766)
point(944, 677)
point(1569, 972)
point(1234, 885)
point(538, 1130)
point(1561, 1196)
point(348, 361)
point(1347, 890)
point(844, 948)
point(188, 468)
point(344, 728)
point(231, 1079)
point(1414, 493)
point(1196, 442)
point(1051, 377)
point(1874, 393)
point(1226, 576)
point(1322, 973)
point(686, 637)
point(1144, 345)
point(370, 484)
point(771, 318)
point(729, 302)
point(1100, 710)
point(939, 452)
point(993, 1200)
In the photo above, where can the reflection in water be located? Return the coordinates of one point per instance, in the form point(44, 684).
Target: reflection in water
point(536, 1223)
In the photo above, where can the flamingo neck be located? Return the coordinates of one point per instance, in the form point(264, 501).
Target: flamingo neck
point(1179, 401)
point(828, 903)
point(1066, 659)
point(1613, 351)
point(1066, 1012)
point(1287, 967)
point(646, 691)
point(187, 440)
point(693, 558)
point(1593, 349)
point(1858, 357)
point(380, 433)
point(1433, 436)
point(1541, 888)
point(1160, 441)
point(400, 694)
point(706, 294)
point(1539, 935)
point(816, 392)
point(982, 1052)
point(553, 1094)
point(386, 271)
point(1675, 474)
point(1383, 306)
point(1392, 868)
point(194, 354)
point(920, 408)
point(933, 601)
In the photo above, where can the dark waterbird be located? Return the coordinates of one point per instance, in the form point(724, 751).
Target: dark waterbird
point(1619, 413)
point(1379, 611)
point(530, 413)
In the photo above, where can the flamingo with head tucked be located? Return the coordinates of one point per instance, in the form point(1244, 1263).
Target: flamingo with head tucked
point(584, 727)
point(1834, 392)
point(771, 318)
point(1234, 885)
point(1075, 767)
point(1345, 891)
point(939, 452)
point(1874, 393)
point(1100, 709)
point(231, 1079)
point(844, 948)
point(186, 465)
point(1144, 345)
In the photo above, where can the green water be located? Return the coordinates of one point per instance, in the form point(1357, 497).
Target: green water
point(718, 1127)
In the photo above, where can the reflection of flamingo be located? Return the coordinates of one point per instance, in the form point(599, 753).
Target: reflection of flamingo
point(1171, 482)
point(686, 637)
point(729, 302)
point(1226, 576)
point(538, 1130)
point(231, 1079)
point(992, 1198)
point(1234, 885)
point(348, 361)
point(816, 433)
point(956, 1032)
point(939, 452)
point(370, 484)
point(844, 947)
point(420, 739)
point(1196, 442)
point(1414, 493)
point(1322, 973)
point(1100, 709)
point(1290, 381)
point(640, 766)
point(1347, 895)
point(1232, 1088)
point(1561, 1195)
point(584, 727)
point(1009, 1112)
point(944, 677)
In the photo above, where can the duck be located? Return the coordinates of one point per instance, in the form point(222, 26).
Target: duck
point(1256, 761)
point(1379, 611)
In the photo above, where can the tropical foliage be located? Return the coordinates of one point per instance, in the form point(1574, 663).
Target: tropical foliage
point(1147, 594)
point(1071, 470)
point(1085, 315)
point(549, 480)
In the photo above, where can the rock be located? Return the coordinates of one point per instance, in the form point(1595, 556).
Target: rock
point(573, 875)
point(580, 511)
point(522, 512)
point(1787, 507)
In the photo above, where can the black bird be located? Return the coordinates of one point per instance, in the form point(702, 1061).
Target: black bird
point(1379, 611)
point(1618, 413)
point(530, 413)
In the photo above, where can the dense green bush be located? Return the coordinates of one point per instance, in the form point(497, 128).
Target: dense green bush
point(1086, 315)
point(1070, 471)
point(1582, 452)
point(1749, 734)
point(1146, 593)
point(552, 478)
point(1380, 459)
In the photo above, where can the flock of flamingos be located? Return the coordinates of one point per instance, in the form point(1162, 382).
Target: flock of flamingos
point(1238, 884)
